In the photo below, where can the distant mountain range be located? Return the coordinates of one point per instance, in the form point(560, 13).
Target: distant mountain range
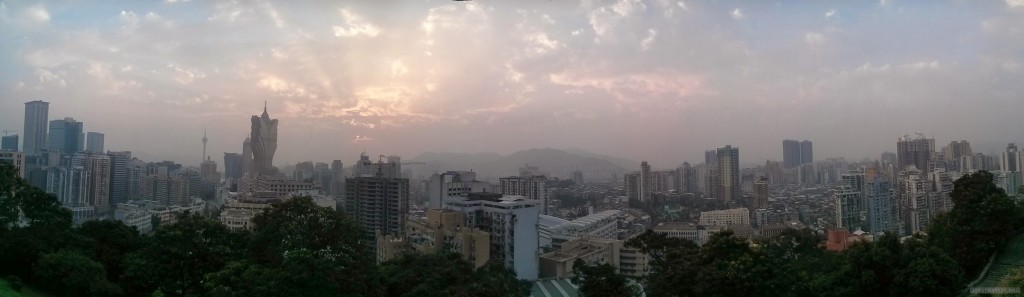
point(491, 166)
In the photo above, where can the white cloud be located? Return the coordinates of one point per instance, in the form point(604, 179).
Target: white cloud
point(737, 14)
point(646, 43)
point(1015, 3)
point(814, 38)
point(38, 13)
point(398, 68)
point(830, 13)
point(682, 5)
point(354, 26)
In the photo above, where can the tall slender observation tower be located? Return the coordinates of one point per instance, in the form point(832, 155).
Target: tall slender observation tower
point(264, 142)
point(204, 146)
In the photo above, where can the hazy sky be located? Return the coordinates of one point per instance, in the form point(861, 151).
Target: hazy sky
point(655, 80)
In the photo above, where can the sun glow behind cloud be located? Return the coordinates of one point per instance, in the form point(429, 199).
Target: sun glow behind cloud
point(565, 74)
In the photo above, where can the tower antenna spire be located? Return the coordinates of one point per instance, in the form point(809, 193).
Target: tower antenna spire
point(204, 145)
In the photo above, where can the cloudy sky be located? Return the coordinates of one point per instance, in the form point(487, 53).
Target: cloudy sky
point(655, 80)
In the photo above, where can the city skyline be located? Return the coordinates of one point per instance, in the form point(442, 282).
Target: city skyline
point(631, 79)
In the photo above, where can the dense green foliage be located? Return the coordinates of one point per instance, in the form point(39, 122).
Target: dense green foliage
point(979, 225)
point(296, 249)
point(602, 281)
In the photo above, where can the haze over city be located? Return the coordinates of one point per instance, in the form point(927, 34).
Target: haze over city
point(661, 81)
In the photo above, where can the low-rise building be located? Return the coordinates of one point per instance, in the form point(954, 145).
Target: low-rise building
point(735, 216)
point(555, 231)
point(593, 251)
point(443, 231)
point(698, 234)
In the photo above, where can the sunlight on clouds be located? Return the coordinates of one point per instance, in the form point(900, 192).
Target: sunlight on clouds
point(354, 26)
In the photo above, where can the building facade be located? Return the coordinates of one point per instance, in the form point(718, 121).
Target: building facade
point(36, 116)
point(728, 187)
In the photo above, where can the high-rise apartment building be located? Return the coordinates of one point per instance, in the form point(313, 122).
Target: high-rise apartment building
point(806, 152)
point(761, 193)
point(208, 172)
point(915, 152)
point(264, 143)
point(531, 187)
point(796, 153)
point(879, 196)
point(978, 162)
point(953, 152)
point(790, 153)
point(646, 183)
point(65, 135)
point(512, 223)
point(99, 185)
point(687, 177)
point(337, 188)
point(453, 184)
point(711, 158)
point(70, 184)
point(728, 187)
point(36, 116)
point(631, 185)
point(851, 205)
point(915, 208)
point(9, 143)
point(379, 204)
point(94, 142)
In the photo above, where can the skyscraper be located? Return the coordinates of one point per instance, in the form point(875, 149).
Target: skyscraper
point(806, 152)
point(915, 151)
point(796, 153)
point(65, 135)
point(233, 166)
point(9, 143)
point(790, 153)
point(94, 142)
point(728, 174)
point(264, 143)
point(36, 115)
point(247, 166)
point(119, 191)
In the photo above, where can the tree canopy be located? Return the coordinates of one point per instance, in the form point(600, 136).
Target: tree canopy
point(296, 249)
